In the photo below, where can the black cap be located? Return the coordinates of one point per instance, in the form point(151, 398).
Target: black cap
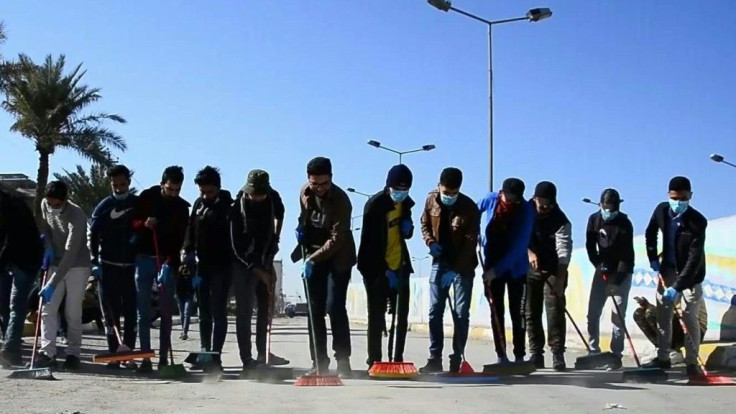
point(451, 177)
point(513, 188)
point(680, 183)
point(257, 183)
point(546, 189)
point(319, 166)
point(399, 176)
point(611, 197)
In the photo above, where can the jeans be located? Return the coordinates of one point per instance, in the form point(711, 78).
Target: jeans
point(72, 286)
point(541, 298)
point(517, 298)
point(597, 301)
point(379, 294)
point(118, 298)
point(690, 312)
point(212, 295)
point(145, 275)
point(186, 308)
point(17, 297)
point(463, 289)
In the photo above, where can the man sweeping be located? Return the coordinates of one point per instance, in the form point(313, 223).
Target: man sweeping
point(609, 242)
point(254, 225)
point(21, 252)
point(208, 255)
point(327, 250)
point(682, 267)
point(384, 261)
point(160, 220)
point(450, 223)
point(65, 229)
point(505, 236)
point(113, 259)
point(550, 249)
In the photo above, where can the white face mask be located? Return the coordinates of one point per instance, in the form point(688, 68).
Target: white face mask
point(54, 212)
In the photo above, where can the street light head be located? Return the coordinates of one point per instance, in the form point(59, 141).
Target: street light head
point(351, 190)
point(716, 157)
point(535, 15)
point(443, 5)
point(428, 147)
point(373, 143)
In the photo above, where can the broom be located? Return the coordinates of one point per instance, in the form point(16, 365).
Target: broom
point(706, 378)
point(123, 353)
point(317, 379)
point(392, 369)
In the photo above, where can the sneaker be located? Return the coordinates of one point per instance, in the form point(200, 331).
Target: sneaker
point(558, 361)
point(146, 367)
point(502, 360)
point(455, 365)
point(130, 365)
point(399, 358)
point(537, 360)
point(183, 336)
point(251, 364)
point(434, 365)
point(44, 361)
point(343, 369)
point(10, 358)
point(519, 359)
point(693, 370)
point(162, 362)
point(676, 357)
point(615, 364)
point(72, 362)
point(273, 360)
point(113, 365)
point(658, 363)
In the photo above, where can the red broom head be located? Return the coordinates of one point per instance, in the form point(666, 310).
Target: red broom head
point(465, 368)
point(318, 381)
point(710, 380)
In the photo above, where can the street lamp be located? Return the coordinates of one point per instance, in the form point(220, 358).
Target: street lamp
point(420, 260)
point(533, 15)
point(719, 158)
point(351, 222)
point(428, 147)
point(352, 190)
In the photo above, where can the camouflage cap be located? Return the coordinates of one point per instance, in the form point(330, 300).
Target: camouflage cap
point(257, 183)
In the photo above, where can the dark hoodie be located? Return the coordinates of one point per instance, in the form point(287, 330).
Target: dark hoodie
point(208, 233)
point(252, 229)
point(20, 243)
point(172, 214)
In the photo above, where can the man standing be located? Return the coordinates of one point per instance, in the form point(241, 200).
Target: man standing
point(550, 249)
point(327, 250)
point(21, 252)
point(160, 220)
point(113, 258)
point(384, 261)
point(450, 223)
point(256, 219)
point(207, 249)
point(505, 237)
point(65, 231)
point(609, 241)
point(682, 267)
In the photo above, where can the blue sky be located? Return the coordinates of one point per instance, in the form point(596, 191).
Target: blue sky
point(622, 94)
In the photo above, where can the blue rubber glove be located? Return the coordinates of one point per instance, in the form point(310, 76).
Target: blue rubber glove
point(48, 257)
point(307, 269)
point(447, 279)
point(97, 272)
point(196, 281)
point(435, 250)
point(46, 293)
point(393, 279)
point(654, 265)
point(406, 227)
point(669, 295)
point(165, 275)
point(299, 234)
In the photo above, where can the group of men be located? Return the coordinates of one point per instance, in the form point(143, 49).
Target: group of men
point(525, 248)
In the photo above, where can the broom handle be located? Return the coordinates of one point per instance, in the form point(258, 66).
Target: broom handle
point(163, 290)
point(495, 323)
point(684, 328)
point(569, 316)
point(309, 312)
point(270, 289)
point(38, 317)
point(623, 325)
point(392, 331)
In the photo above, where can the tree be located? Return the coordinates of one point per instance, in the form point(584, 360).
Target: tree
point(87, 189)
point(47, 105)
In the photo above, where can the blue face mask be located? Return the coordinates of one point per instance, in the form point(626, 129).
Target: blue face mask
point(608, 214)
point(398, 196)
point(448, 200)
point(678, 206)
point(121, 196)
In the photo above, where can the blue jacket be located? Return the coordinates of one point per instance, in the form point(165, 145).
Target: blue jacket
point(516, 259)
point(111, 231)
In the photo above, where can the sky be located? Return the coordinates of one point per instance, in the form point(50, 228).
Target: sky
point(621, 94)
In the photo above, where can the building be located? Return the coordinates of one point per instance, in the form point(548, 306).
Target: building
point(19, 185)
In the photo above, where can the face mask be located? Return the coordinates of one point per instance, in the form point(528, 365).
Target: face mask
point(54, 212)
point(608, 214)
point(448, 200)
point(678, 206)
point(398, 196)
point(121, 196)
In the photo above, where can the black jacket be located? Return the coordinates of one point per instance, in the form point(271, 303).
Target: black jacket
point(551, 240)
point(374, 235)
point(111, 231)
point(249, 247)
point(20, 242)
point(172, 215)
point(611, 244)
point(689, 244)
point(208, 232)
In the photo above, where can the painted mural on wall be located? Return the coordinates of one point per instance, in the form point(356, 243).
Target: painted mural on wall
point(719, 289)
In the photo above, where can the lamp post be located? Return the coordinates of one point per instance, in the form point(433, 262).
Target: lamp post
point(720, 159)
point(354, 191)
point(420, 260)
point(428, 147)
point(533, 15)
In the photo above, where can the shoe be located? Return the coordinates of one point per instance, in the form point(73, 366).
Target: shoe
point(502, 360)
point(130, 365)
point(676, 357)
point(615, 364)
point(344, 370)
point(434, 365)
point(9, 359)
point(43, 361)
point(519, 359)
point(657, 363)
point(113, 365)
point(183, 336)
point(251, 364)
point(693, 371)
point(455, 365)
point(163, 362)
point(72, 362)
point(273, 360)
point(399, 358)
point(146, 367)
point(558, 361)
point(537, 360)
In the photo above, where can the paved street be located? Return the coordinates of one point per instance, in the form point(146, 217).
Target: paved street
point(97, 390)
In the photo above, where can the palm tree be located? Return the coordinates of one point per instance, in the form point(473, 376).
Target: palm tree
point(87, 189)
point(47, 105)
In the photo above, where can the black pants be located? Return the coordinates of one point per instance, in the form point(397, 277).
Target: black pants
point(327, 296)
point(262, 301)
point(516, 309)
point(243, 282)
point(118, 298)
point(539, 297)
point(212, 295)
point(379, 294)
